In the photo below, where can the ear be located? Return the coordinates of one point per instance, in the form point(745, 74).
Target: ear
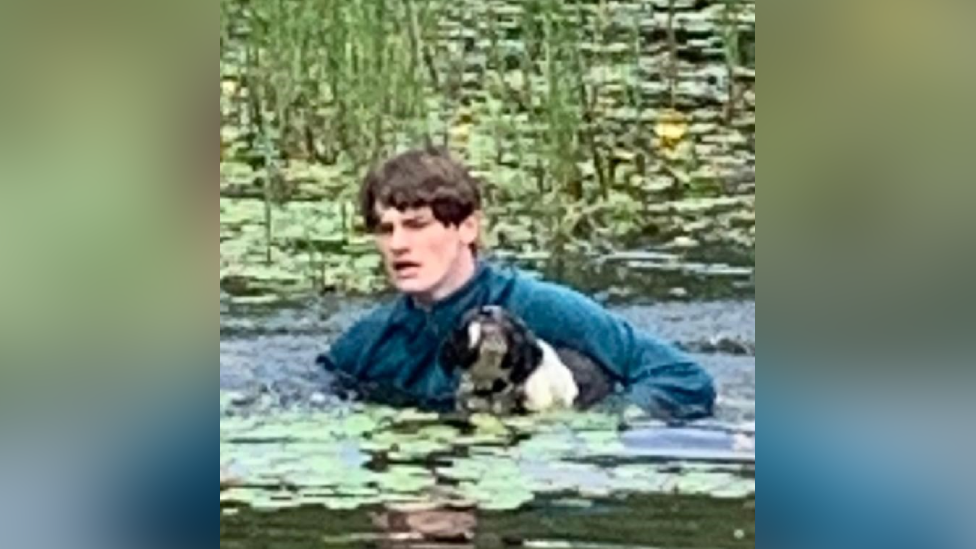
point(525, 353)
point(455, 350)
point(470, 229)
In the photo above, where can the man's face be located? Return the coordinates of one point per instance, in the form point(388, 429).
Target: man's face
point(423, 257)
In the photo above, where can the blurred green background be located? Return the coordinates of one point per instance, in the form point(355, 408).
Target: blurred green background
point(102, 185)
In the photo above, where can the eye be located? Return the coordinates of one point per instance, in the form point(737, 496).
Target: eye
point(499, 386)
point(416, 224)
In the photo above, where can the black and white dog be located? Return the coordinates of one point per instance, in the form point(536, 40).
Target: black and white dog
point(506, 369)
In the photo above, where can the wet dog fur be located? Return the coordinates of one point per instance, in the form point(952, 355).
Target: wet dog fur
point(506, 369)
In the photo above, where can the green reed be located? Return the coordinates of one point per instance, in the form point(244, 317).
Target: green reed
point(522, 87)
point(336, 80)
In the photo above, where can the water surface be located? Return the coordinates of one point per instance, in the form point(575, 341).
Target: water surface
point(301, 469)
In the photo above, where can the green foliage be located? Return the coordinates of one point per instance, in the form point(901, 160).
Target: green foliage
point(557, 103)
point(330, 80)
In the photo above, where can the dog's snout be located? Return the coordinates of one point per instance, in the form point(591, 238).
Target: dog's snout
point(499, 386)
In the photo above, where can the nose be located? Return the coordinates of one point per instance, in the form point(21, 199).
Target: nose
point(497, 387)
point(398, 240)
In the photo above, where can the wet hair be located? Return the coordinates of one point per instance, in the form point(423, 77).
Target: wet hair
point(420, 178)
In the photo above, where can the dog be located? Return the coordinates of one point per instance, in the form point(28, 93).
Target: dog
point(507, 370)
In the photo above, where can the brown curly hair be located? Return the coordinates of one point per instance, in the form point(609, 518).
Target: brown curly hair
point(419, 178)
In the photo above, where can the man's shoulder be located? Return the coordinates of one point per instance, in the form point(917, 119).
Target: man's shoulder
point(527, 285)
point(528, 293)
point(378, 316)
point(365, 331)
point(514, 278)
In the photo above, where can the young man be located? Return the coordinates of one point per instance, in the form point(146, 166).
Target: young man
point(425, 211)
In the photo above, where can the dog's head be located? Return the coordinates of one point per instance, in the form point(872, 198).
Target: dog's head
point(496, 353)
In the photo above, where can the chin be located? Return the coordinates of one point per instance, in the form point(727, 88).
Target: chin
point(413, 286)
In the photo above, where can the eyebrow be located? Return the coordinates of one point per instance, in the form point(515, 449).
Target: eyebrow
point(413, 218)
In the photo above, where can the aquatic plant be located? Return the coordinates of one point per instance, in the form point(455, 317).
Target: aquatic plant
point(560, 105)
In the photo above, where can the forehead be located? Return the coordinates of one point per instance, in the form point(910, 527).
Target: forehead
point(392, 215)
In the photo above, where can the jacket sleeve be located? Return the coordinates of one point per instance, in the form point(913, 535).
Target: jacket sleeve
point(345, 357)
point(347, 362)
point(655, 375)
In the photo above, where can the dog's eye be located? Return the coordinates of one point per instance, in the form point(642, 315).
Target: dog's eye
point(499, 386)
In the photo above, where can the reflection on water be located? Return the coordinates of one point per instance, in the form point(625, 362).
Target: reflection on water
point(625, 522)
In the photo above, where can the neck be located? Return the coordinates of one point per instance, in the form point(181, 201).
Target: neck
point(462, 273)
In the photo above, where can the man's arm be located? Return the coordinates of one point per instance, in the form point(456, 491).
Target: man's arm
point(351, 358)
point(656, 376)
point(675, 389)
point(343, 362)
point(344, 358)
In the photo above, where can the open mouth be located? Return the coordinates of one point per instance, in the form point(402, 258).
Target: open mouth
point(406, 268)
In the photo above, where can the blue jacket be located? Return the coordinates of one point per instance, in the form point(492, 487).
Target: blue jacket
point(391, 355)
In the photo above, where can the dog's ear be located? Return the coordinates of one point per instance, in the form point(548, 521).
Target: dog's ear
point(525, 353)
point(456, 350)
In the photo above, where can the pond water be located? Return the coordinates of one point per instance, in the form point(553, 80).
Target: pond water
point(301, 469)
